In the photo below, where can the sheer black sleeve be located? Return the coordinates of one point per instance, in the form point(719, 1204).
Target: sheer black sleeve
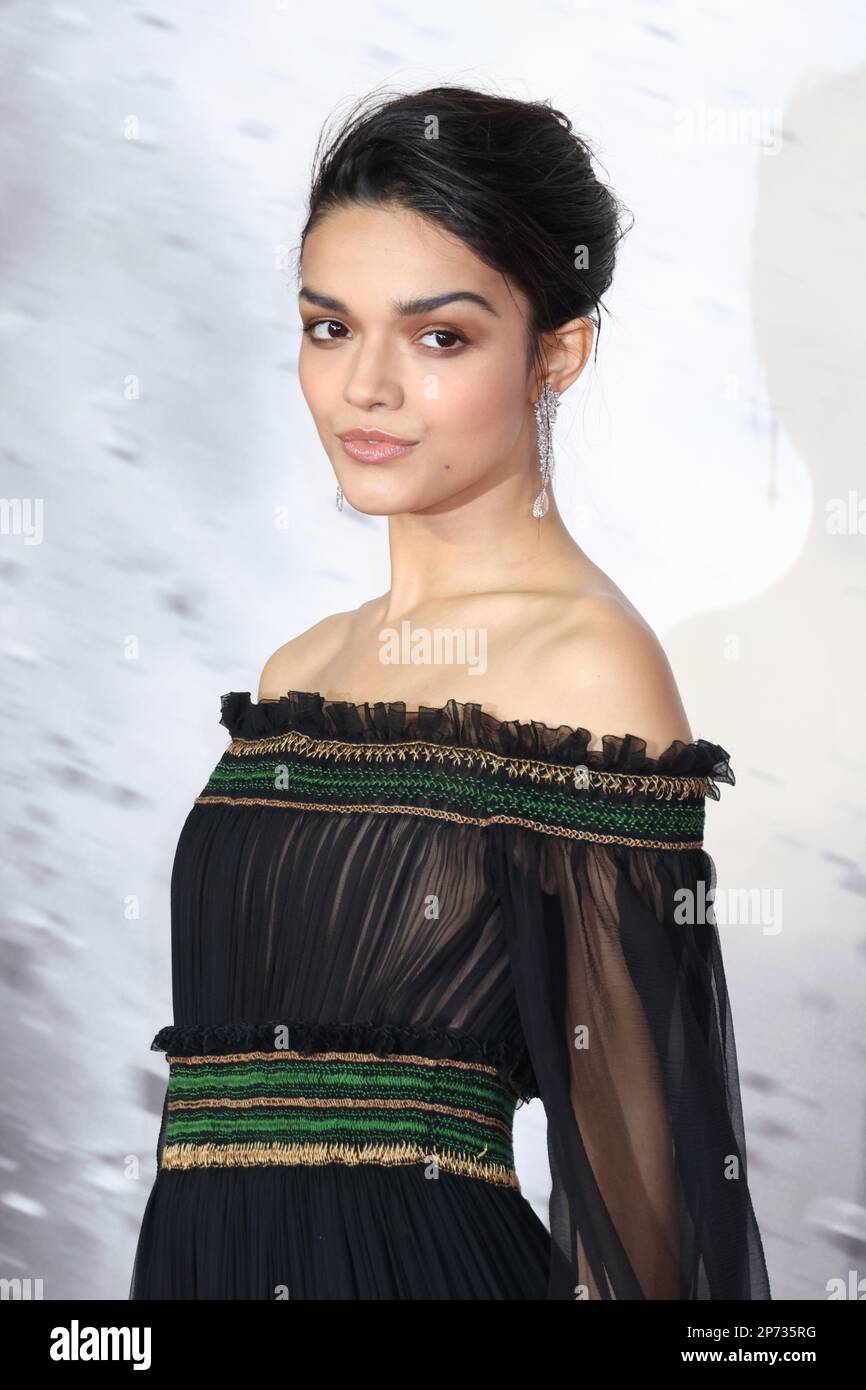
point(621, 987)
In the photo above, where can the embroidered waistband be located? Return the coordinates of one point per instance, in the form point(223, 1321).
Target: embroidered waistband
point(258, 1108)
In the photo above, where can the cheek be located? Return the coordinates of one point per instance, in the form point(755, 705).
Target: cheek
point(310, 380)
point(319, 377)
point(489, 402)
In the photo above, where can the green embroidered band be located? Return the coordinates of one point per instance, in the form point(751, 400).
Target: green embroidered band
point(285, 1108)
point(469, 786)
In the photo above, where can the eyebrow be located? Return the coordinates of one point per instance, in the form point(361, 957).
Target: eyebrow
point(405, 308)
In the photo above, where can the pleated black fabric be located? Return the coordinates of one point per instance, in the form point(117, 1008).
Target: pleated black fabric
point(555, 956)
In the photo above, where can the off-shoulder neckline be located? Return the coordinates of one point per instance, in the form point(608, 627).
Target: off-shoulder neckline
point(466, 724)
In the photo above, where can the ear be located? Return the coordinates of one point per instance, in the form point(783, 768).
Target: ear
point(566, 352)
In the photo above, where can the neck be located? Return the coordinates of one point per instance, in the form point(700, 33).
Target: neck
point(489, 543)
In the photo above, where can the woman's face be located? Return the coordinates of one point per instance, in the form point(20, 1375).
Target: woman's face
point(452, 378)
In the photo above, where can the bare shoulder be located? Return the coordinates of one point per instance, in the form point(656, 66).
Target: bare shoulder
point(296, 664)
point(610, 674)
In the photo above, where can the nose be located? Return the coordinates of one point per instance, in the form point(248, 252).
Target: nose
point(371, 379)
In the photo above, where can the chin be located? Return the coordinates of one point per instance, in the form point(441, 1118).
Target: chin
point(385, 497)
point(378, 506)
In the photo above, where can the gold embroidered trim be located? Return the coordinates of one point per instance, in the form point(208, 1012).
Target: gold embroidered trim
point(333, 1102)
point(563, 774)
point(566, 832)
point(389, 1155)
point(330, 1055)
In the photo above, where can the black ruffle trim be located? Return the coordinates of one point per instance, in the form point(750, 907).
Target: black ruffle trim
point(467, 725)
point(196, 1039)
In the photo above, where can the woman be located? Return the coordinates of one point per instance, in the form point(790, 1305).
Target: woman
point(397, 910)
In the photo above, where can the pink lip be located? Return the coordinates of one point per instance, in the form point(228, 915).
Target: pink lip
point(380, 436)
point(374, 446)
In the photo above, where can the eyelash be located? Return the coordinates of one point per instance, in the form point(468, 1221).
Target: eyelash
point(439, 352)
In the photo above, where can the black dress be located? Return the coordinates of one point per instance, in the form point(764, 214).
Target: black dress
point(391, 927)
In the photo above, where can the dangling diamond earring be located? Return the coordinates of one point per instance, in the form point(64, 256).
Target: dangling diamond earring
point(545, 414)
point(339, 497)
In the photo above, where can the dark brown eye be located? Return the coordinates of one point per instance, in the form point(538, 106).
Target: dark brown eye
point(327, 324)
point(444, 333)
